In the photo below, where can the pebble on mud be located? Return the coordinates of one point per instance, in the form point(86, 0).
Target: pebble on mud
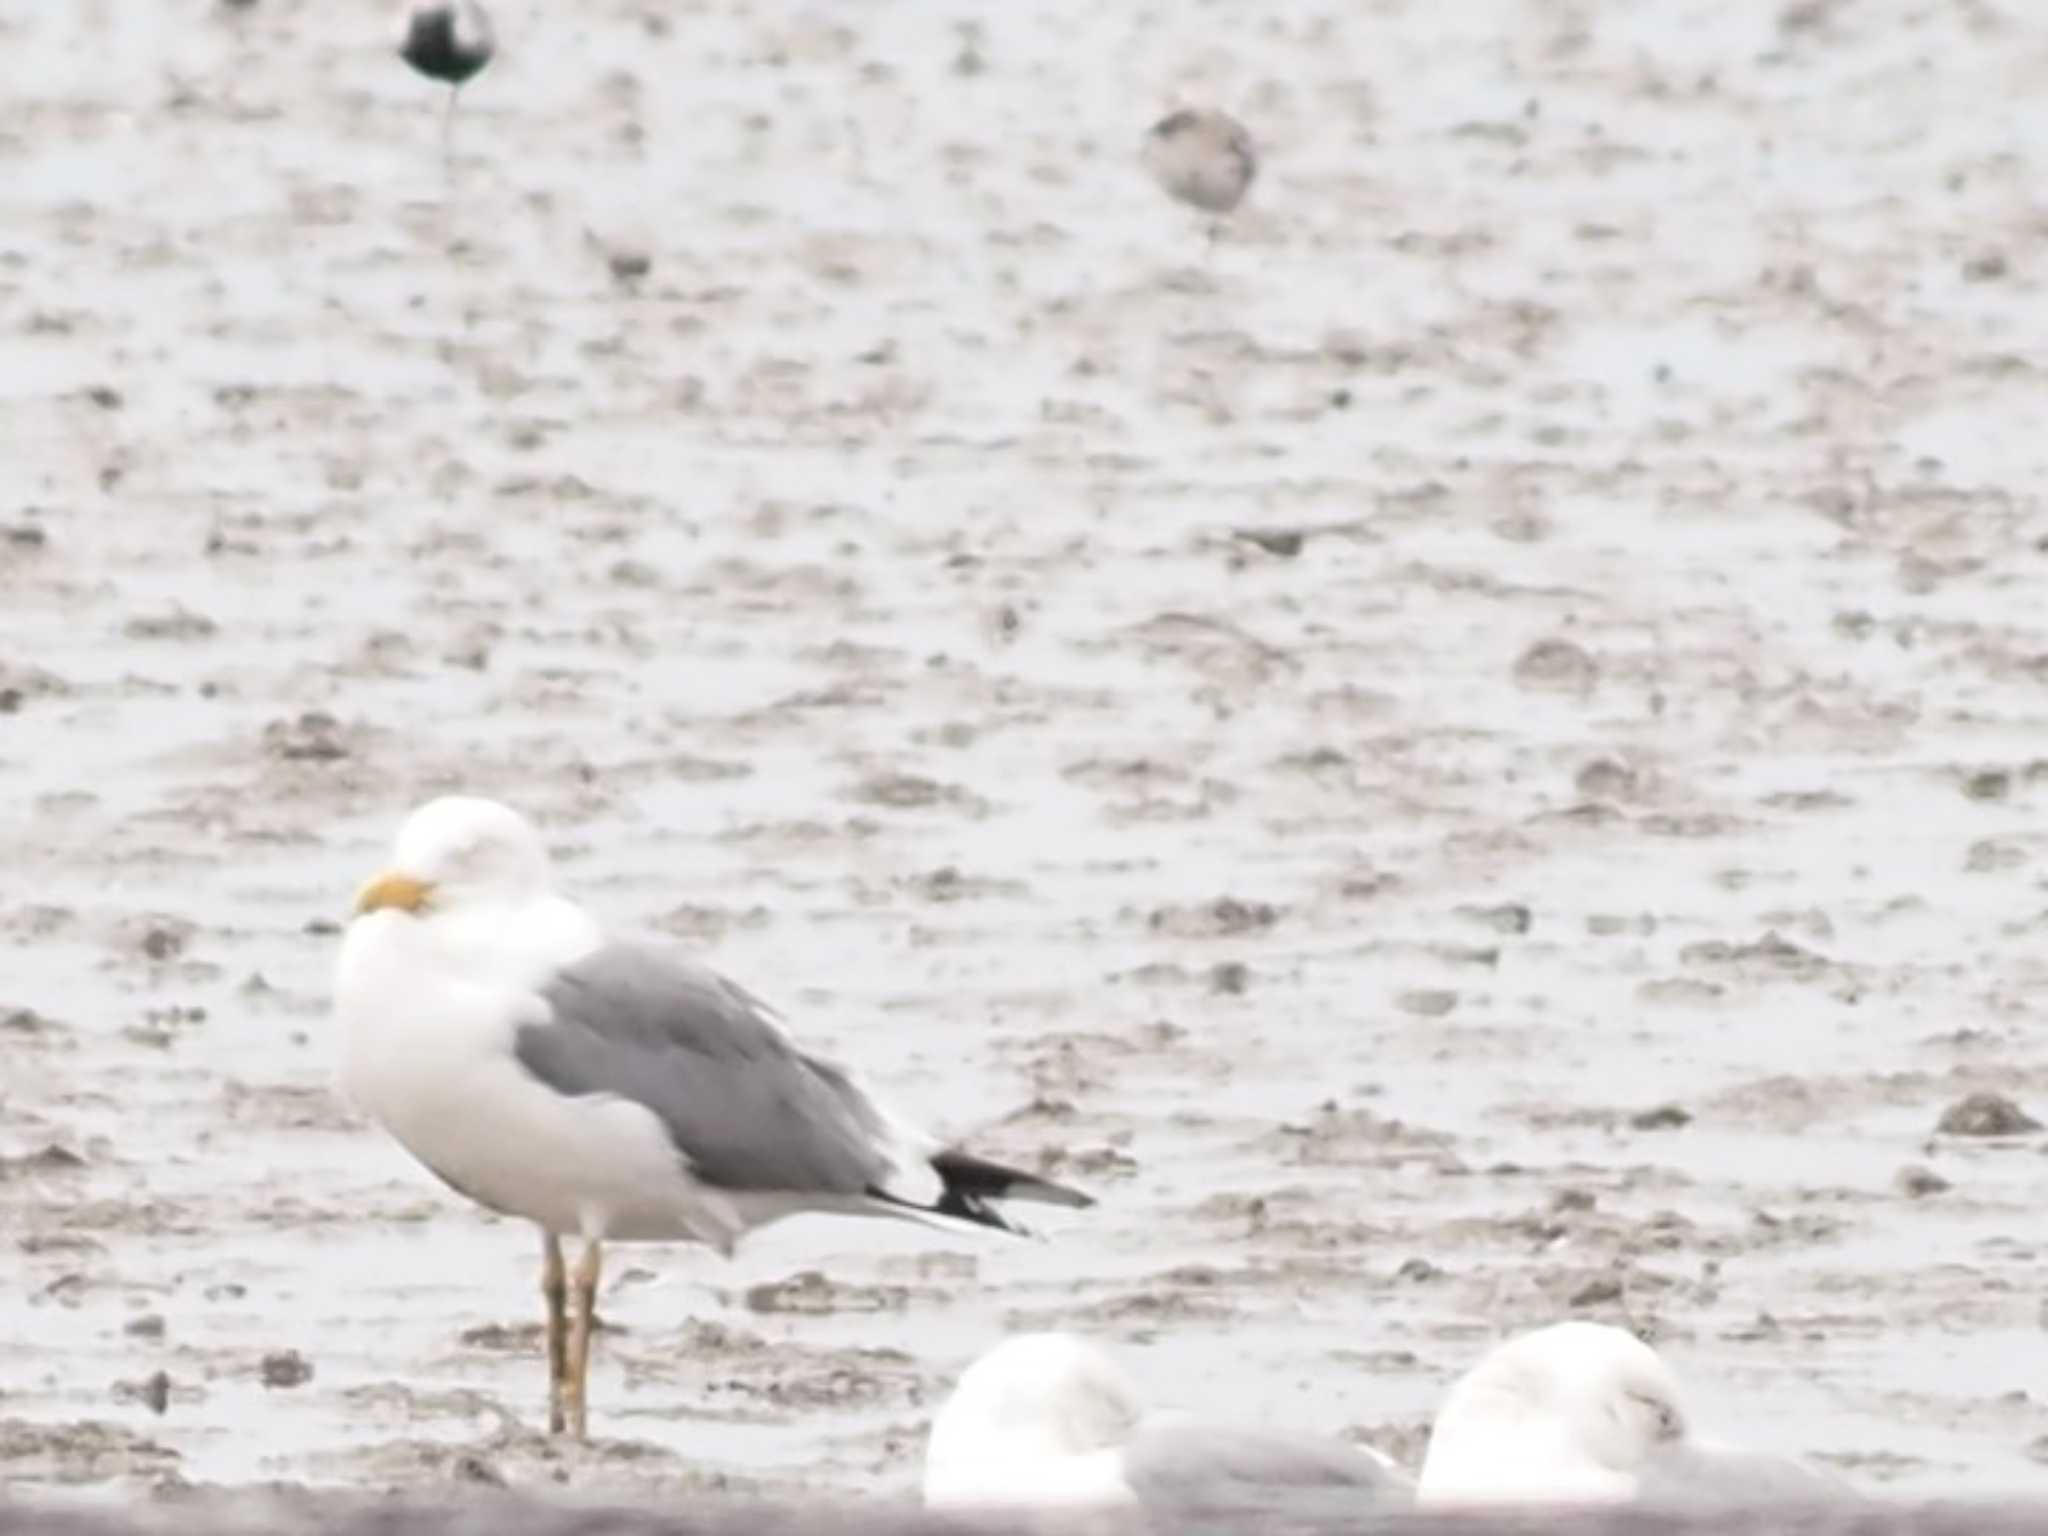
point(473, 1469)
point(902, 791)
point(1598, 1291)
point(1221, 918)
point(1988, 784)
point(1606, 778)
point(1427, 1003)
point(811, 1293)
point(163, 943)
point(1985, 1114)
point(315, 737)
point(1509, 917)
point(1916, 1182)
point(148, 1326)
point(1284, 542)
point(1557, 666)
point(1418, 1272)
point(178, 624)
point(1664, 1117)
point(628, 265)
point(52, 1159)
point(283, 1368)
point(1230, 978)
point(26, 1021)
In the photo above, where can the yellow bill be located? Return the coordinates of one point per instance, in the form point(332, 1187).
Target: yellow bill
point(393, 891)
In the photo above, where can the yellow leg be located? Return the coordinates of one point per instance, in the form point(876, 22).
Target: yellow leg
point(582, 1325)
point(554, 1289)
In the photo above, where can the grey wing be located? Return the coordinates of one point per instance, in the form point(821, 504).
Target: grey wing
point(745, 1108)
point(1186, 1468)
point(1701, 1472)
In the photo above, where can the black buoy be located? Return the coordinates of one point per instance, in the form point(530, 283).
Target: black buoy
point(448, 40)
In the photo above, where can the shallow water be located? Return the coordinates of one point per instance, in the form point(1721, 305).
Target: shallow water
point(861, 594)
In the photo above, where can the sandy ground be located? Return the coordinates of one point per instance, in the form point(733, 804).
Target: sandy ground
point(1471, 753)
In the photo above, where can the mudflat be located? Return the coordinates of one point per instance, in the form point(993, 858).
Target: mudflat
point(1470, 751)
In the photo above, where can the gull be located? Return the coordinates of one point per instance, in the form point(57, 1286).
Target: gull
point(1203, 158)
point(1582, 1413)
point(605, 1089)
point(1048, 1421)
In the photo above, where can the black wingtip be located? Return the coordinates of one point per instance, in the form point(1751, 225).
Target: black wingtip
point(974, 1179)
point(973, 1185)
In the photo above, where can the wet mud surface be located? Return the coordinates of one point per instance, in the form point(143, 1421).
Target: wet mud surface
point(1471, 752)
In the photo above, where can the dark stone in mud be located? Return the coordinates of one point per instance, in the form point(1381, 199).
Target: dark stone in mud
point(471, 1468)
point(1986, 1114)
point(284, 1368)
point(163, 944)
point(1221, 918)
point(629, 265)
point(178, 624)
point(1916, 1182)
point(1986, 267)
point(1596, 1292)
point(148, 1326)
point(26, 1021)
point(312, 738)
point(1231, 978)
point(1665, 1117)
point(1556, 666)
point(1284, 542)
point(1606, 778)
point(1772, 952)
point(1418, 1272)
point(908, 792)
point(1509, 917)
point(810, 1292)
point(520, 1338)
point(52, 1159)
point(1990, 784)
point(1427, 1003)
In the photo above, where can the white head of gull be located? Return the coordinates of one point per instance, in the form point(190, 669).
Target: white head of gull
point(1038, 1419)
point(1049, 1421)
point(1583, 1413)
point(605, 1089)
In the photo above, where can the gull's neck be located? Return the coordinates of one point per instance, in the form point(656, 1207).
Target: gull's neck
point(520, 938)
